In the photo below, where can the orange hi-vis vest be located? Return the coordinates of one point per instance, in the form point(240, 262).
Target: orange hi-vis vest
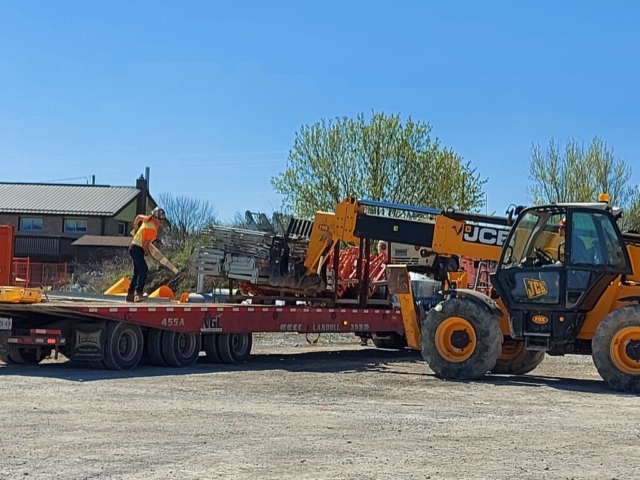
point(148, 231)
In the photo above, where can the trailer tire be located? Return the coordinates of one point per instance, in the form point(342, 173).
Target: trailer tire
point(6, 359)
point(154, 347)
point(123, 346)
point(234, 347)
point(517, 360)
point(24, 356)
point(460, 339)
point(392, 341)
point(210, 345)
point(180, 349)
point(616, 347)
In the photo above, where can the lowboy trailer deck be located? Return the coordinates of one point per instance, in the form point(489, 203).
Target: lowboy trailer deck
point(117, 335)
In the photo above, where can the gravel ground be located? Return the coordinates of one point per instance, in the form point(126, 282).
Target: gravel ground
point(330, 410)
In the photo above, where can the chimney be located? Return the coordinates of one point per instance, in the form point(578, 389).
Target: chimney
point(141, 202)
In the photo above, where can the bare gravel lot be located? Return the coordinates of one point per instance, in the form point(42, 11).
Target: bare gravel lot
point(334, 410)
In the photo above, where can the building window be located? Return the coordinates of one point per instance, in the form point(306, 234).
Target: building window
point(30, 224)
point(75, 226)
point(122, 229)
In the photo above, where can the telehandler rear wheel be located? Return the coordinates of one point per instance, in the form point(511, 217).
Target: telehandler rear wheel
point(616, 349)
point(460, 340)
point(517, 360)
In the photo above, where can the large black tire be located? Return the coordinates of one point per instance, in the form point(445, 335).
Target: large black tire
point(517, 360)
point(123, 346)
point(154, 347)
point(24, 356)
point(455, 356)
point(390, 340)
point(210, 346)
point(616, 348)
point(234, 347)
point(180, 349)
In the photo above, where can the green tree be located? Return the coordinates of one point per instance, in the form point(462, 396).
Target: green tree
point(576, 174)
point(382, 159)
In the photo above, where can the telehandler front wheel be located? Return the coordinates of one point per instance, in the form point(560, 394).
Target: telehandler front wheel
point(517, 360)
point(616, 349)
point(460, 339)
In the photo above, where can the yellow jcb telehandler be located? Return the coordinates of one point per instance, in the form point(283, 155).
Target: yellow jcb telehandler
point(567, 282)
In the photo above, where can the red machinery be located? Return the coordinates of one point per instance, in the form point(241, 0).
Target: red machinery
point(6, 253)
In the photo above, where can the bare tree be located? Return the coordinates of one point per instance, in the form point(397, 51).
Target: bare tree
point(237, 221)
point(187, 217)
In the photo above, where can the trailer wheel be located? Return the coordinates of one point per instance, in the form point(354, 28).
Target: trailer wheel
point(234, 347)
point(210, 345)
point(517, 360)
point(391, 340)
point(180, 349)
point(6, 359)
point(24, 356)
point(616, 349)
point(460, 340)
point(154, 347)
point(123, 346)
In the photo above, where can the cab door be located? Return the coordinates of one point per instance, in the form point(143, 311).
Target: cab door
point(551, 276)
point(596, 254)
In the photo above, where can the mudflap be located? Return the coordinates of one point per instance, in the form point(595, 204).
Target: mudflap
point(87, 341)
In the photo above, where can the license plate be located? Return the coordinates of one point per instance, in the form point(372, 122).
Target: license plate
point(5, 323)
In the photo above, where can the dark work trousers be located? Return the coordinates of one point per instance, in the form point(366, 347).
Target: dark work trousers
point(140, 270)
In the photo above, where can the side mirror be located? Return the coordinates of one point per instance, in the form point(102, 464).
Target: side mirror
point(561, 252)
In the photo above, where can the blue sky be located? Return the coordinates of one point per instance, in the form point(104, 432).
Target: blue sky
point(210, 94)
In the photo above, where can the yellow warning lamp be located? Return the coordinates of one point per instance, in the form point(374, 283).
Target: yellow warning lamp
point(603, 198)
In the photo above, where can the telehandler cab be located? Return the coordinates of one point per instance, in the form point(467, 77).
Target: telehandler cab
point(567, 282)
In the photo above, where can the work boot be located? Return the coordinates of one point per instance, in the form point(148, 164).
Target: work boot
point(130, 297)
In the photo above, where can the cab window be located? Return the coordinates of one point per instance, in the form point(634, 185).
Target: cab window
point(594, 241)
point(536, 240)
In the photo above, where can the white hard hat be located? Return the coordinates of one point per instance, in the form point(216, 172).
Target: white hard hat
point(158, 213)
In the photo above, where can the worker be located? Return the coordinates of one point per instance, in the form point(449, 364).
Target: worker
point(146, 231)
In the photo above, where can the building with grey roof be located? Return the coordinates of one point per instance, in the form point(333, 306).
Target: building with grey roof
point(60, 222)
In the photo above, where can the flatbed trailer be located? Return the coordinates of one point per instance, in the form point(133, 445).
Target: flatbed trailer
point(118, 335)
point(107, 332)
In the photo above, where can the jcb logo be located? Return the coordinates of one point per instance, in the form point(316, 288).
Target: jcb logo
point(484, 235)
point(535, 288)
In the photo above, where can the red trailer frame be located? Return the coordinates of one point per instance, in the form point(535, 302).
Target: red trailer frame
point(116, 334)
point(218, 318)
